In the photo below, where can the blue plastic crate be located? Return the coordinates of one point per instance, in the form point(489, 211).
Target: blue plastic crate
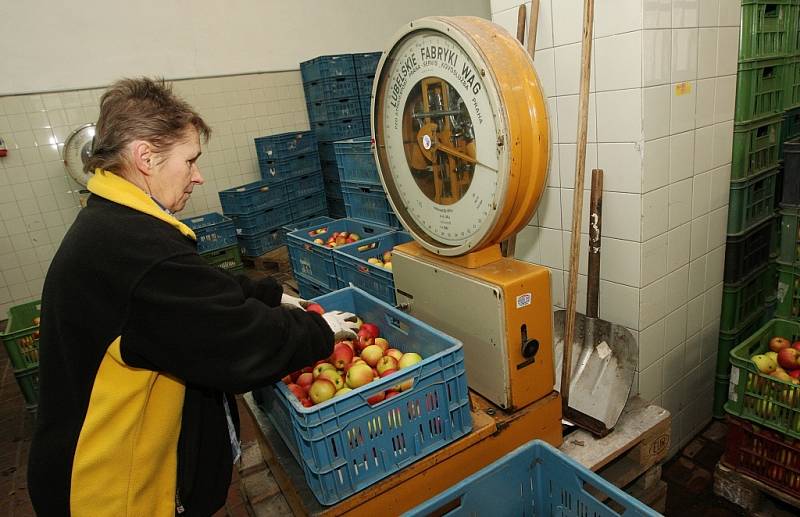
point(534, 479)
point(315, 261)
point(326, 153)
point(321, 111)
point(331, 89)
point(273, 171)
point(330, 170)
point(365, 102)
point(213, 231)
point(283, 145)
point(333, 441)
point(342, 129)
point(352, 267)
point(364, 85)
point(365, 121)
point(333, 188)
point(309, 289)
point(308, 205)
point(356, 162)
point(252, 197)
point(260, 243)
point(366, 62)
point(308, 222)
point(255, 223)
point(336, 208)
point(305, 185)
point(322, 67)
point(368, 203)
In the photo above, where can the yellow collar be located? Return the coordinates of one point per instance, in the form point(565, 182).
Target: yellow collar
point(117, 189)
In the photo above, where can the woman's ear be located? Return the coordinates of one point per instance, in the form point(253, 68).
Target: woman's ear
point(142, 156)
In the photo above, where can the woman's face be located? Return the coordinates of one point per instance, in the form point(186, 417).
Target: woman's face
point(174, 173)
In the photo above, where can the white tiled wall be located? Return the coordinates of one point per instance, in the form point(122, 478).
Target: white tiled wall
point(661, 127)
point(38, 201)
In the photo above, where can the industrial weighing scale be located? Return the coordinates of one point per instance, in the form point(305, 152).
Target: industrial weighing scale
point(462, 146)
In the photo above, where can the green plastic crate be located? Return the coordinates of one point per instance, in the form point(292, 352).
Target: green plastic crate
point(790, 128)
point(755, 147)
point(790, 238)
point(767, 29)
point(743, 300)
point(21, 336)
point(727, 342)
point(28, 381)
point(788, 291)
point(791, 83)
point(761, 398)
point(752, 201)
point(760, 89)
point(229, 258)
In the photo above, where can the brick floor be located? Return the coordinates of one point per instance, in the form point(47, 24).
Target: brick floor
point(16, 429)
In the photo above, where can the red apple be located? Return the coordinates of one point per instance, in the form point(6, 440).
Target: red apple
point(318, 369)
point(796, 345)
point(343, 391)
point(393, 352)
point(787, 358)
point(387, 373)
point(392, 393)
point(359, 375)
point(381, 342)
point(378, 397)
point(307, 369)
point(287, 380)
point(386, 363)
point(315, 307)
point(305, 379)
point(409, 359)
point(795, 374)
point(778, 343)
point(306, 402)
point(372, 354)
point(341, 356)
point(349, 343)
point(297, 391)
point(321, 390)
point(372, 328)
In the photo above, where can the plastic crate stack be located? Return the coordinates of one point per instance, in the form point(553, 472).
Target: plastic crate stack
point(216, 240)
point(21, 341)
point(365, 65)
point(364, 197)
point(334, 113)
point(767, 102)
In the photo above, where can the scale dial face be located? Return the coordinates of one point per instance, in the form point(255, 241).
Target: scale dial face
point(450, 106)
point(77, 149)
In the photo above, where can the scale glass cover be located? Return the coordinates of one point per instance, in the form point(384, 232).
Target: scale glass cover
point(77, 149)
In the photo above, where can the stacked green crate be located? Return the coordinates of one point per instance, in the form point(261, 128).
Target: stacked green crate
point(768, 84)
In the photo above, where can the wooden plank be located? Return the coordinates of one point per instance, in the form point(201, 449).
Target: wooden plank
point(643, 429)
point(275, 260)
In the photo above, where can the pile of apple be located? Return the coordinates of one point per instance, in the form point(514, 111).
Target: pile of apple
point(353, 363)
point(782, 361)
point(384, 261)
point(337, 239)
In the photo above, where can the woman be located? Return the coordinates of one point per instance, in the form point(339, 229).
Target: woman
point(140, 337)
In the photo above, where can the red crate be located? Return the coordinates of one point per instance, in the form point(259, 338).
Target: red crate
point(768, 456)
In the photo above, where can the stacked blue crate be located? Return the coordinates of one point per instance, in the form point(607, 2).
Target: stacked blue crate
point(365, 67)
point(258, 211)
point(334, 112)
point(364, 197)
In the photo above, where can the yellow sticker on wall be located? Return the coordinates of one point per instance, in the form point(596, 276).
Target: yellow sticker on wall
point(683, 89)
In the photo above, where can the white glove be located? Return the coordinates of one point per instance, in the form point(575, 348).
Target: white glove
point(343, 324)
point(293, 301)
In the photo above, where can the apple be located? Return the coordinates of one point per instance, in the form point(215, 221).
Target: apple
point(334, 377)
point(387, 256)
point(315, 307)
point(308, 369)
point(397, 354)
point(305, 379)
point(406, 385)
point(321, 390)
point(796, 345)
point(788, 357)
point(386, 363)
point(341, 240)
point(372, 354)
point(781, 375)
point(343, 391)
point(298, 392)
point(391, 393)
point(764, 363)
point(378, 397)
point(374, 261)
point(778, 343)
point(381, 342)
point(306, 402)
point(388, 372)
point(372, 328)
point(341, 356)
point(388, 265)
point(795, 374)
point(365, 339)
point(319, 241)
point(359, 375)
point(772, 355)
point(354, 237)
point(287, 380)
point(321, 368)
point(409, 359)
point(349, 343)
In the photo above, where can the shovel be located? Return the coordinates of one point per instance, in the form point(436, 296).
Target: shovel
point(604, 355)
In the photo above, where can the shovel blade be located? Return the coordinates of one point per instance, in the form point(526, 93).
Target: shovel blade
point(604, 359)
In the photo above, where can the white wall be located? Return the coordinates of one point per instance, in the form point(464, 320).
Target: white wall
point(51, 46)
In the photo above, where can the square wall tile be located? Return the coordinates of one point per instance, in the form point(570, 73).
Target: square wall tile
point(723, 143)
point(566, 164)
point(655, 164)
point(725, 101)
point(507, 16)
point(553, 167)
point(680, 203)
point(703, 144)
point(693, 353)
point(619, 116)
point(707, 13)
point(677, 288)
point(710, 337)
point(712, 304)
point(684, 55)
point(694, 312)
point(720, 187)
point(715, 267)
point(697, 276)
point(551, 248)
point(717, 227)
point(685, 13)
point(681, 156)
point(557, 287)
point(675, 328)
point(617, 17)
point(620, 261)
point(701, 194)
point(568, 69)
point(655, 213)
point(567, 21)
point(621, 213)
point(496, 6)
point(656, 111)
point(567, 199)
point(707, 52)
point(678, 247)
point(673, 366)
point(727, 50)
point(682, 107)
point(528, 245)
point(650, 381)
point(622, 167)
point(729, 13)
point(653, 303)
point(699, 237)
point(651, 344)
point(619, 303)
point(618, 61)
point(654, 259)
point(657, 14)
point(568, 119)
point(549, 210)
point(544, 31)
point(544, 63)
point(656, 57)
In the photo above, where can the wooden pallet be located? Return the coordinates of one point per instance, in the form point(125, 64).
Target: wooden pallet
point(750, 493)
point(275, 260)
